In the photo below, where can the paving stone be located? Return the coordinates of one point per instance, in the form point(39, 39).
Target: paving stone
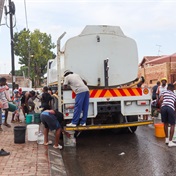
point(24, 158)
point(28, 159)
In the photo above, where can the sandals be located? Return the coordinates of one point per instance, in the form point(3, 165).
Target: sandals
point(7, 125)
point(19, 121)
point(16, 121)
point(57, 147)
point(48, 143)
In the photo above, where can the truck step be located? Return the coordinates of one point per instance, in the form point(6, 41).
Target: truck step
point(109, 126)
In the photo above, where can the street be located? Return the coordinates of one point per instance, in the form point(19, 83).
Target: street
point(100, 153)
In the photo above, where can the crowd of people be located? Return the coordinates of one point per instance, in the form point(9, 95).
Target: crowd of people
point(51, 118)
point(163, 101)
point(24, 100)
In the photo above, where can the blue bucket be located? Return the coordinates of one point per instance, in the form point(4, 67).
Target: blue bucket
point(12, 107)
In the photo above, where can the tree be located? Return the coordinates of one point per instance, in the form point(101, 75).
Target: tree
point(37, 47)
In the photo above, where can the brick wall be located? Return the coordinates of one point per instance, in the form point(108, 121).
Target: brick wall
point(20, 80)
point(154, 73)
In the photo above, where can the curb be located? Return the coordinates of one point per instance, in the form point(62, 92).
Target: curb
point(57, 166)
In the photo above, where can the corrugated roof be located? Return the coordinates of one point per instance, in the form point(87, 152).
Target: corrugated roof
point(147, 59)
point(163, 59)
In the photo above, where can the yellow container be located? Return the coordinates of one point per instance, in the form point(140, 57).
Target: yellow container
point(159, 130)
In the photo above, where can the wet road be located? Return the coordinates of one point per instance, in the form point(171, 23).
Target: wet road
point(100, 153)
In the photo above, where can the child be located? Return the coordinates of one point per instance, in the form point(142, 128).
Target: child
point(17, 102)
point(3, 98)
point(24, 101)
point(46, 99)
point(52, 120)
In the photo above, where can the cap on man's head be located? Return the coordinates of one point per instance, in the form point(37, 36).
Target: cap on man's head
point(66, 72)
point(163, 79)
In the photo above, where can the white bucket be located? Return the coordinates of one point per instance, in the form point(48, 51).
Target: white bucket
point(32, 131)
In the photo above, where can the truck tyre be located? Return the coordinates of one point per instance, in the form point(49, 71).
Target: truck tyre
point(118, 118)
point(132, 119)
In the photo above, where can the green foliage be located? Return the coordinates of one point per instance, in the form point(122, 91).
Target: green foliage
point(37, 47)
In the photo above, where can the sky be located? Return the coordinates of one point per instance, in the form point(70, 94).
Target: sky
point(151, 23)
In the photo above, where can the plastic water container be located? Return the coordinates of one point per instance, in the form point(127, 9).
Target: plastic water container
point(32, 131)
point(12, 107)
point(32, 114)
point(29, 118)
point(19, 134)
point(37, 118)
point(40, 138)
point(70, 142)
point(159, 130)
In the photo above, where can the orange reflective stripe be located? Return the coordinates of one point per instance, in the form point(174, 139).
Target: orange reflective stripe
point(102, 93)
point(118, 94)
point(137, 92)
point(127, 92)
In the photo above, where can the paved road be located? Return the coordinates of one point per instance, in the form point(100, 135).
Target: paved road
point(100, 153)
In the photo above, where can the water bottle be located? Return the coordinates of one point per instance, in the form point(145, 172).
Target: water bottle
point(40, 138)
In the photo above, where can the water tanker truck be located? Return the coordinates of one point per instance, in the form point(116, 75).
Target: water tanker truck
point(108, 61)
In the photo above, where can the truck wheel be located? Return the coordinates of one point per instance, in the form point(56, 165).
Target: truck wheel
point(132, 119)
point(118, 118)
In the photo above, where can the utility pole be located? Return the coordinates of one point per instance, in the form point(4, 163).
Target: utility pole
point(59, 70)
point(11, 13)
point(29, 47)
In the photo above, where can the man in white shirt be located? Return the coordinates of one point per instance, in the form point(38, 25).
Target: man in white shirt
point(161, 88)
point(82, 97)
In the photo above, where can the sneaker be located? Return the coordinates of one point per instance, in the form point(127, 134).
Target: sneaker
point(57, 147)
point(4, 153)
point(84, 124)
point(166, 140)
point(171, 144)
point(71, 125)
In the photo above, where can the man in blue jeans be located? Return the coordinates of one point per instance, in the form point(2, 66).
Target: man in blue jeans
point(168, 100)
point(81, 90)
